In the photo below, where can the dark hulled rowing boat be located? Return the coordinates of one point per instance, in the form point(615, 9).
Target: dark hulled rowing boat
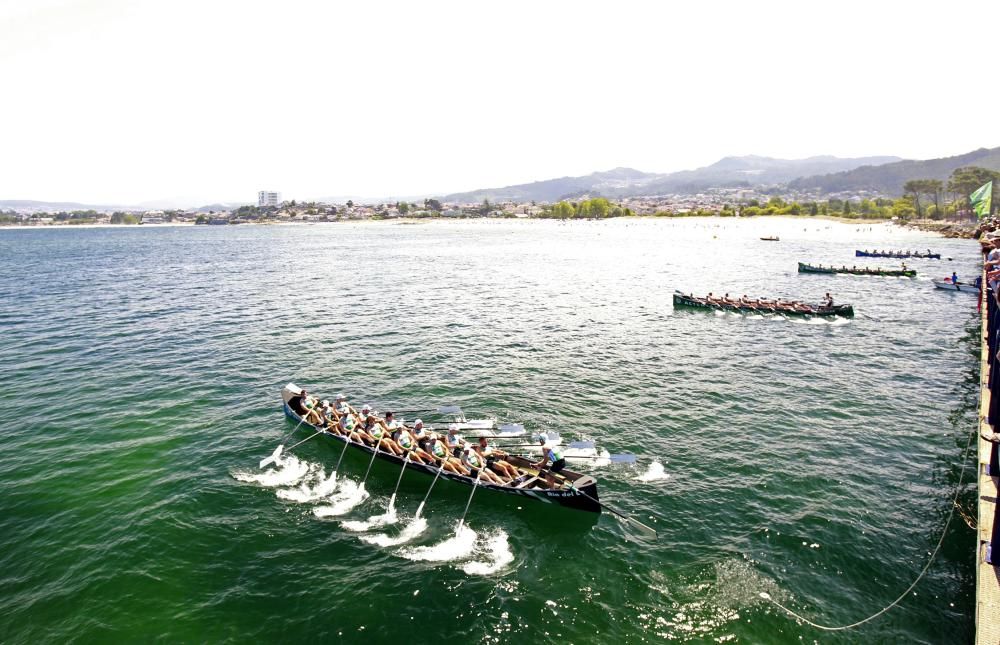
point(682, 300)
point(535, 487)
point(899, 273)
point(769, 239)
point(891, 254)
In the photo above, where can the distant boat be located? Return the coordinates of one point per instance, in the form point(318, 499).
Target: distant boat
point(770, 239)
point(894, 254)
point(899, 273)
point(948, 285)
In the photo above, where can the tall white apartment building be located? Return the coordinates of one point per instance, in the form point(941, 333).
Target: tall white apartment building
point(268, 198)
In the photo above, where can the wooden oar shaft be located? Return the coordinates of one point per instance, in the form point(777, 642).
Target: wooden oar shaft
point(615, 512)
point(318, 432)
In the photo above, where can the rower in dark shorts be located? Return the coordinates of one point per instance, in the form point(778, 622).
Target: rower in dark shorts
point(550, 452)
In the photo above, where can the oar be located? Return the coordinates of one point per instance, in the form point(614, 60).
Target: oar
point(318, 432)
point(475, 485)
point(392, 500)
point(378, 442)
point(347, 442)
point(281, 446)
point(424, 500)
point(445, 409)
point(608, 508)
point(580, 445)
point(623, 458)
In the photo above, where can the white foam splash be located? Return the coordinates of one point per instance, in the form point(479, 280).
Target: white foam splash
point(375, 521)
point(410, 531)
point(498, 556)
point(306, 493)
point(287, 472)
point(653, 473)
point(456, 547)
point(350, 496)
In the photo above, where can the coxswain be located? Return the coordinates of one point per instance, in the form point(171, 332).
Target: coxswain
point(550, 453)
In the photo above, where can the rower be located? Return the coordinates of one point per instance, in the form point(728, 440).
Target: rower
point(495, 459)
point(449, 463)
point(954, 278)
point(341, 404)
point(298, 402)
point(423, 441)
point(828, 301)
point(550, 452)
point(454, 442)
point(405, 440)
point(476, 463)
point(381, 430)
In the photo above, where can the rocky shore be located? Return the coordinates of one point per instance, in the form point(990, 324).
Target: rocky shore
point(947, 229)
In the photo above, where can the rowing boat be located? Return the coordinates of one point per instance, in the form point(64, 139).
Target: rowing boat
point(581, 495)
point(899, 273)
point(769, 239)
point(948, 285)
point(892, 254)
point(682, 300)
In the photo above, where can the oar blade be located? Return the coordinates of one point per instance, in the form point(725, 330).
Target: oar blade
point(273, 458)
point(624, 458)
point(581, 445)
point(449, 409)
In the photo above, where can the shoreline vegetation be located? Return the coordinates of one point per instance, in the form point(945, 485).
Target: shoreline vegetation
point(927, 204)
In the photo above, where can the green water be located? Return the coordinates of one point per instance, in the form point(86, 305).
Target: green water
point(814, 460)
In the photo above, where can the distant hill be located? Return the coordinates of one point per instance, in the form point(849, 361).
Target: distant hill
point(33, 205)
point(889, 178)
point(610, 182)
point(750, 170)
point(753, 170)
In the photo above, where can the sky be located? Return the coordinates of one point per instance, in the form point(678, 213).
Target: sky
point(123, 102)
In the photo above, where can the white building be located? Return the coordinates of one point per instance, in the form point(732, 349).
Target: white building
point(268, 198)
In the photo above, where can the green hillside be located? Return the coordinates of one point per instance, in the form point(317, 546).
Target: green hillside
point(889, 178)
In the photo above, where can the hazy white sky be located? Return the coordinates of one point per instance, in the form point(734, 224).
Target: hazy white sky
point(119, 102)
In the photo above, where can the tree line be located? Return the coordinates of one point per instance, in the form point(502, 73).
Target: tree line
point(934, 192)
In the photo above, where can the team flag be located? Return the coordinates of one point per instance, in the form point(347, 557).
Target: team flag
point(981, 199)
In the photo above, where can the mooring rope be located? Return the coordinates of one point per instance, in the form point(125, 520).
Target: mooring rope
point(837, 628)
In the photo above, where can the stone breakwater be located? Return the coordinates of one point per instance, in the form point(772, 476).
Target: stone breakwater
point(965, 230)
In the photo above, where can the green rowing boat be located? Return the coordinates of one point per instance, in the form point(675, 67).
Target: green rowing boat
point(899, 273)
point(755, 306)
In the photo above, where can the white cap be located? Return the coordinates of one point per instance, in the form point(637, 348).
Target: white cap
point(326, 402)
point(418, 422)
point(341, 397)
point(366, 407)
point(541, 437)
point(453, 427)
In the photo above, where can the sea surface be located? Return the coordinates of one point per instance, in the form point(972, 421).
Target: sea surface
point(813, 460)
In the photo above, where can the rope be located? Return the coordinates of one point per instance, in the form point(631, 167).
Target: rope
point(838, 628)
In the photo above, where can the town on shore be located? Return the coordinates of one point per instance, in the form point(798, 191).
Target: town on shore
point(923, 200)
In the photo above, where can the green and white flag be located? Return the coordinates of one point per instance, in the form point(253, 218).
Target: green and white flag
point(981, 199)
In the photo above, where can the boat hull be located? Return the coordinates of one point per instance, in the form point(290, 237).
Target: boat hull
point(681, 300)
point(892, 273)
point(574, 499)
point(952, 286)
